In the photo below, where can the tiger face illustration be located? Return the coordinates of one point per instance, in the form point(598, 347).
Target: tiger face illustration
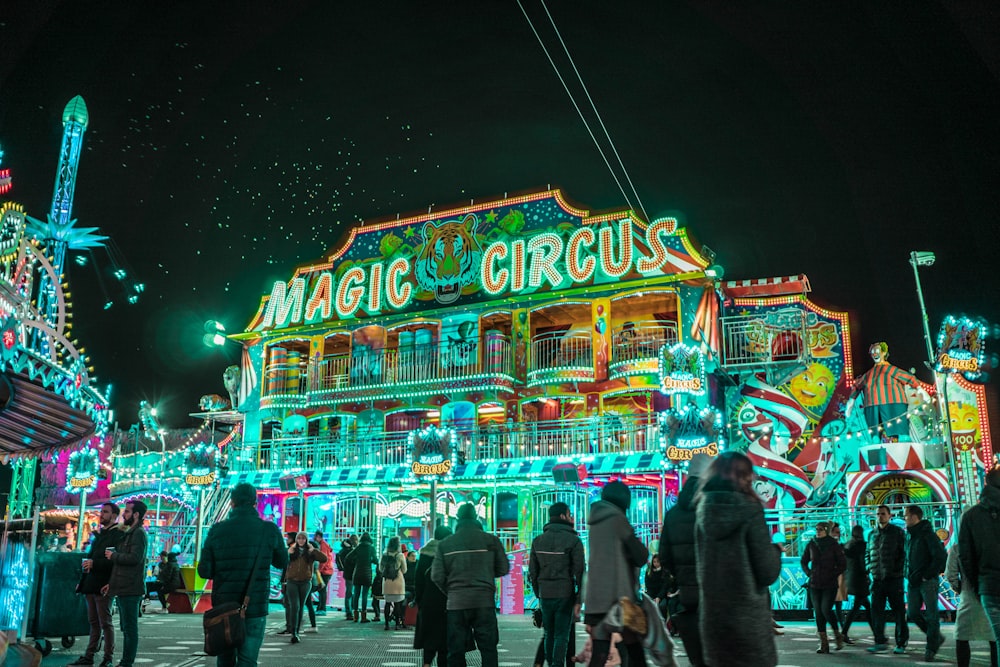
point(449, 259)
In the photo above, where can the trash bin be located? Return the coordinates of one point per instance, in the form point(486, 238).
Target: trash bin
point(57, 610)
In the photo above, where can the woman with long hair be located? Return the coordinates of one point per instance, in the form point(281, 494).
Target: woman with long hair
point(392, 567)
point(299, 580)
point(737, 562)
point(823, 562)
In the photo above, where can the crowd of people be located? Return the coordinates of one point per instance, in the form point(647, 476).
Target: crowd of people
point(711, 577)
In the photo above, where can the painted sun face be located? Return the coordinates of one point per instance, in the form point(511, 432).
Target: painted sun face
point(964, 418)
point(812, 386)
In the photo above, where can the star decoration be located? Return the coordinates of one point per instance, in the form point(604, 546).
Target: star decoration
point(491, 216)
point(408, 232)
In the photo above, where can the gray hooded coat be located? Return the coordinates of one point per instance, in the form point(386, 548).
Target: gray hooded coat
point(615, 553)
point(736, 564)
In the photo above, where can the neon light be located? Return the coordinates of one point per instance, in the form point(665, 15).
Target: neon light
point(375, 291)
point(494, 283)
point(682, 370)
point(611, 268)
point(517, 279)
point(581, 273)
point(349, 295)
point(285, 305)
point(656, 247)
point(961, 347)
point(545, 249)
point(320, 298)
point(81, 471)
point(398, 296)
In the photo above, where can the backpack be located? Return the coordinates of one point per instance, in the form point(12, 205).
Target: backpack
point(389, 567)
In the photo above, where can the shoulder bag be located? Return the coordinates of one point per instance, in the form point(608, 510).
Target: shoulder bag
point(224, 624)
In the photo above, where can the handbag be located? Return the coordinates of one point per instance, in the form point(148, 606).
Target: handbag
point(224, 624)
point(536, 617)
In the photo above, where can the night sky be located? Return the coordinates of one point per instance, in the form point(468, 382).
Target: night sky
point(227, 147)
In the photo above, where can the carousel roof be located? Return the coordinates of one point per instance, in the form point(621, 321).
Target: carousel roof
point(33, 417)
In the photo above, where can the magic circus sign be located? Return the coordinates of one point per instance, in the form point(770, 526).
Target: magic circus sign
point(500, 249)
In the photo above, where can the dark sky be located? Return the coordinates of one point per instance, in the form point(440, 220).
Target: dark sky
point(229, 142)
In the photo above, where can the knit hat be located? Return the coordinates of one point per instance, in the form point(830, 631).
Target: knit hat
point(466, 512)
point(617, 493)
point(699, 464)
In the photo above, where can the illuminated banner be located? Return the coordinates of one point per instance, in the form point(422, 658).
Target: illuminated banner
point(682, 370)
point(961, 347)
point(200, 462)
point(82, 470)
point(690, 431)
point(432, 452)
point(498, 249)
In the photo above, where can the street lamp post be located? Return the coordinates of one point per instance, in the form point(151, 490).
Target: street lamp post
point(920, 258)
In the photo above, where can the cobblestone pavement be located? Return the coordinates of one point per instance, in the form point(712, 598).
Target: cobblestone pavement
point(174, 640)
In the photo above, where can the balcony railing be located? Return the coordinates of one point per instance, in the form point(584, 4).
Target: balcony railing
point(558, 357)
point(635, 348)
point(391, 368)
point(760, 341)
point(606, 434)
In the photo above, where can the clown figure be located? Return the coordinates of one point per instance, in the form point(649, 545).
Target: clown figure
point(884, 389)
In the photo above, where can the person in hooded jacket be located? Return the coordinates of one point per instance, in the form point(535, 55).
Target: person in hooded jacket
point(360, 562)
point(556, 566)
point(677, 554)
point(823, 561)
point(979, 549)
point(346, 547)
point(857, 580)
point(615, 555)
point(737, 562)
point(431, 634)
point(925, 561)
point(466, 568)
point(971, 624)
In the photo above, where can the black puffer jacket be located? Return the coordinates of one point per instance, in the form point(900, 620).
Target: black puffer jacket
point(359, 562)
point(100, 571)
point(925, 554)
point(229, 553)
point(979, 544)
point(128, 576)
point(823, 561)
point(677, 555)
point(557, 562)
point(887, 553)
point(341, 560)
point(856, 574)
point(467, 566)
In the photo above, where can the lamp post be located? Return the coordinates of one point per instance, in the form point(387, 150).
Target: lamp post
point(920, 258)
point(923, 258)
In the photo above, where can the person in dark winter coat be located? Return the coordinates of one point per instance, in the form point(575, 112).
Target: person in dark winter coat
point(466, 568)
point(857, 580)
point(168, 578)
point(677, 554)
point(431, 634)
point(615, 555)
point(556, 566)
point(737, 562)
point(823, 561)
point(886, 561)
point(299, 580)
point(926, 558)
point(979, 549)
point(346, 547)
point(228, 558)
point(655, 583)
point(360, 562)
point(971, 624)
point(128, 577)
point(97, 574)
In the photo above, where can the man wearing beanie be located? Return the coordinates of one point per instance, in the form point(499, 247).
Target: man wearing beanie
point(556, 574)
point(677, 556)
point(466, 569)
point(615, 553)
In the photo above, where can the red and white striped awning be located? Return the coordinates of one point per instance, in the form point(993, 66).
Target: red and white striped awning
point(762, 287)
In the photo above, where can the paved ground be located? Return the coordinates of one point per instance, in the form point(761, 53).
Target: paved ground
point(174, 640)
